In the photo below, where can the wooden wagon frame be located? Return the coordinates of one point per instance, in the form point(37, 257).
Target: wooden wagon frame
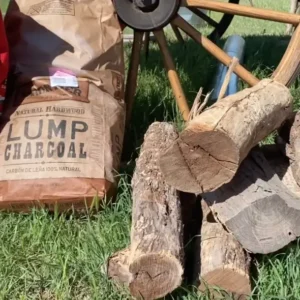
point(145, 16)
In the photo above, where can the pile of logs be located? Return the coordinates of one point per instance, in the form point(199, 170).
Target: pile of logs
point(247, 195)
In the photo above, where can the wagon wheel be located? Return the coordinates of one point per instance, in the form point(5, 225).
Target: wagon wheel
point(218, 27)
point(155, 14)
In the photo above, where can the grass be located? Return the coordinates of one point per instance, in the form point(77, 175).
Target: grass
point(49, 256)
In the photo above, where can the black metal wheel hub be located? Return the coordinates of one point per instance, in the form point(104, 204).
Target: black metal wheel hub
point(146, 15)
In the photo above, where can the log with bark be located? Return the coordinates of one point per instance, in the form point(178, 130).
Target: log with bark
point(153, 265)
point(210, 149)
point(260, 211)
point(224, 263)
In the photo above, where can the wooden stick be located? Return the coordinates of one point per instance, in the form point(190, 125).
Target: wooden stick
point(210, 149)
point(259, 210)
point(225, 84)
point(154, 265)
point(177, 34)
point(243, 10)
point(224, 263)
point(172, 74)
point(147, 44)
point(132, 75)
point(214, 50)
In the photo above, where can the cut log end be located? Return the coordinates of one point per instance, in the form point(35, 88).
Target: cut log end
point(212, 146)
point(230, 280)
point(155, 275)
point(257, 207)
point(224, 263)
point(200, 156)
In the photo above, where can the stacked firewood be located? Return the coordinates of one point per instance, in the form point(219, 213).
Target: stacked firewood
point(249, 194)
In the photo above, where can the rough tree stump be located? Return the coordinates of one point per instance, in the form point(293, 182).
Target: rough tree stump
point(155, 259)
point(210, 149)
point(257, 207)
point(224, 263)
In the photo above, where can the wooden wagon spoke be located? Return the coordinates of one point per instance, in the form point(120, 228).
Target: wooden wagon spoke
point(289, 67)
point(147, 44)
point(203, 16)
point(214, 50)
point(243, 10)
point(172, 74)
point(178, 34)
point(133, 72)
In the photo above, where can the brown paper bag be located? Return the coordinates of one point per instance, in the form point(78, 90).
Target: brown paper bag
point(62, 137)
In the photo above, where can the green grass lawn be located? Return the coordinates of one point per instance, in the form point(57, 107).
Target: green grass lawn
point(46, 256)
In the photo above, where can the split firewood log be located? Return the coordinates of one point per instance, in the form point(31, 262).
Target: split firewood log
point(224, 263)
point(210, 149)
point(256, 207)
point(153, 265)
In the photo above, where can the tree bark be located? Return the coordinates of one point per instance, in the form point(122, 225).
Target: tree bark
point(260, 211)
point(224, 263)
point(210, 149)
point(155, 259)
